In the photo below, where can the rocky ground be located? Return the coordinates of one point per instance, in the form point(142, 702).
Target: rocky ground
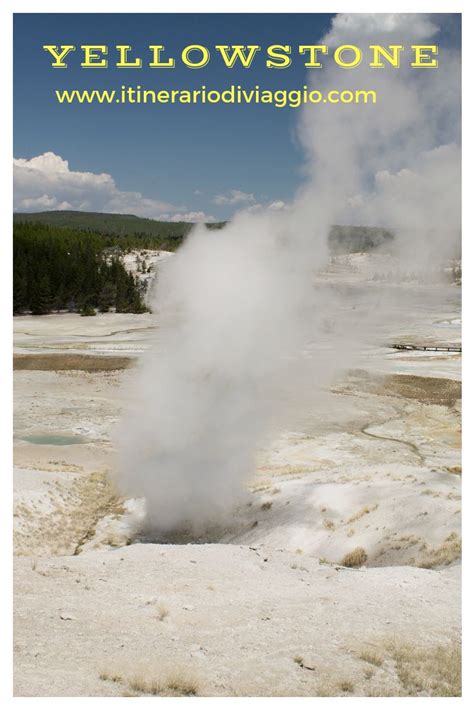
point(337, 574)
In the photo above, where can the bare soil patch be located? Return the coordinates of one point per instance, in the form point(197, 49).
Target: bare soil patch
point(427, 390)
point(71, 361)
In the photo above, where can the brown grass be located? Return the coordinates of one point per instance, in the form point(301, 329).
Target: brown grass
point(114, 677)
point(346, 686)
point(432, 671)
point(356, 558)
point(71, 361)
point(446, 553)
point(405, 670)
point(372, 657)
point(69, 521)
point(174, 683)
point(363, 511)
point(457, 470)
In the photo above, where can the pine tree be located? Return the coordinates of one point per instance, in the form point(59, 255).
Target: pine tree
point(88, 307)
point(107, 297)
point(20, 294)
point(41, 297)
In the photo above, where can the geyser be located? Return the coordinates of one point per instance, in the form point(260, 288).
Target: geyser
point(237, 307)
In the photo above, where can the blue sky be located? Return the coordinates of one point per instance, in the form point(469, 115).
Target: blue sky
point(179, 157)
point(168, 152)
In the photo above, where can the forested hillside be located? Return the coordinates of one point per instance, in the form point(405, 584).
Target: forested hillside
point(57, 269)
point(133, 231)
point(67, 260)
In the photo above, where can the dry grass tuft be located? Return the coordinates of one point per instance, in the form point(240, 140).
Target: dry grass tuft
point(356, 558)
point(114, 677)
point(162, 612)
point(457, 470)
point(346, 686)
point(267, 505)
point(174, 683)
point(363, 511)
point(328, 524)
point(448, 552)
point(371, 657)
point(436, 672)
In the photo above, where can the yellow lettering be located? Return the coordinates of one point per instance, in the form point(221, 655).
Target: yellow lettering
point(205, 55)
point(422, 53)
point(393, 57)
point(313, 50)
point(123, 63)
point(278, 56)
point(156, 62)
point(92, 56)
point(59, 55)
point(238, 53)
point(348, 48)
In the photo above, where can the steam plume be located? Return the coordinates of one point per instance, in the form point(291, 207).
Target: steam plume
point(242, 338)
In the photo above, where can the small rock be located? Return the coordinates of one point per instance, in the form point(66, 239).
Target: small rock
point(188, 607)
point(65, 616)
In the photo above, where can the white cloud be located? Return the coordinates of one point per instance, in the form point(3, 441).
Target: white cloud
point(46, 182)
point(277, 205)
point(233, 197)
point(188, 217)
point(378, 26)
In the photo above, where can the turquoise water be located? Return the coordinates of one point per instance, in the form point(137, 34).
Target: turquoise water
point(54, 439)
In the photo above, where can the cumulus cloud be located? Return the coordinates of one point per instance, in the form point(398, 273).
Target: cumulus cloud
point(46, 182)
point(274, 206)
point(188, 217)
point(233, 197)
point(362, 26)
point(278, 205)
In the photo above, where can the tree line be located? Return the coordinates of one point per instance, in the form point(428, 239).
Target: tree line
point(56, 268)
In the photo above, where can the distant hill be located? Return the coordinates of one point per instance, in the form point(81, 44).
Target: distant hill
point(136, 231)
point(105, 223)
